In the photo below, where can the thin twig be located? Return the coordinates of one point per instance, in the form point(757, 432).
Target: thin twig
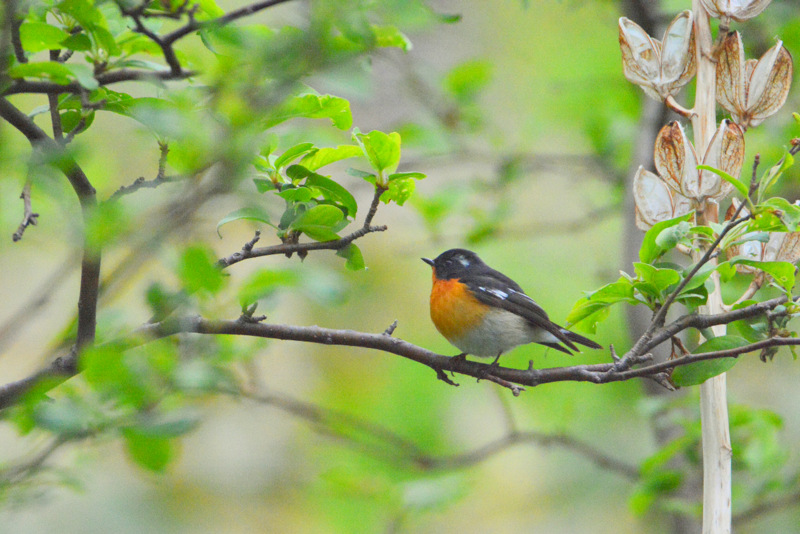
point(193, 25)
point(141, 183)
point(13, 473)
point(29, 217)
point(291, 248)
point(55, 116)
point(389, 444)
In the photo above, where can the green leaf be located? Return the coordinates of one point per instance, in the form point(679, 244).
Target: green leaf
point(83, 11)
point(299, 194)
point(72, 119)
point(399, 191)
point(79, 42)
point(403, 175)
point(650, 250)
point(264, 283)
point(789, 213)
point(772, 175)
point(251, 214)
point(326, 156)
point(64, 417)
point(198, 270)
point(167, 426)
point(292, 154)
point(740, 186)
point(351, 253)
point(780, 271)
point(698, 372)
point(38, 36)
point(700, 277)
point(654, 281)
point(333, 191)
point(318, 222)
point(368, 176)
point(467, 80)
point(209, 8)
point(390, 36)
point(149, 452)
point(264, 184)
point(105, 40)
point(727, 271)
point(593, 308)
point(314, 107)
point(49, 70)
point(381, 149)
point(669, 238)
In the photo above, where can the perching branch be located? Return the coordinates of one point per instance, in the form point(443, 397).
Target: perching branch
point(602, 373)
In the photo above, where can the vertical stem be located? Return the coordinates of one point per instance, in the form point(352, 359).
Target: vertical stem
point(713, 396)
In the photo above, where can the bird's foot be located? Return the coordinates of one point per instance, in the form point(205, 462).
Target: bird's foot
point(458, 358)
point(488, 370)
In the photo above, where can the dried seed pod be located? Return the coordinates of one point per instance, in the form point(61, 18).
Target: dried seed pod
point(676, 160)
point(738, 10)
point(660, 68)
point(752, 90)
point(655, 202)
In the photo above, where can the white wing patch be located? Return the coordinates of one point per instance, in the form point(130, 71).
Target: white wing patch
point(496, 292)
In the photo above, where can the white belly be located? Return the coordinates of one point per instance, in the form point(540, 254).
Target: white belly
point(499, 332)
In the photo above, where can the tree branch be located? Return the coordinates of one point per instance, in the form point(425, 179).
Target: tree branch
point(291, 248)
point(601, 373)
point(390, 445)
point(194, 25)
point(104, 79)
point(90, 265)
point(141, 183)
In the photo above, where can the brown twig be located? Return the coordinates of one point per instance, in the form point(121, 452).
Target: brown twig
point(141, 183)
point(601, 373)
point(29, 218)
point(13, 473)
point(90, 264)
point(291, 248)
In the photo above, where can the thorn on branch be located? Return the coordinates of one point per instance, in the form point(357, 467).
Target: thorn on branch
point(390, 329)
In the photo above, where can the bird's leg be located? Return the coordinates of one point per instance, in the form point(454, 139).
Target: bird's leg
point(492, 366)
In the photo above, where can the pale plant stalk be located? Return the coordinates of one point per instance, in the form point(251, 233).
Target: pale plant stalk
point(713, 394)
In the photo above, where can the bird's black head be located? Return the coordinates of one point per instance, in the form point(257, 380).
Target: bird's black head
point(454, 263)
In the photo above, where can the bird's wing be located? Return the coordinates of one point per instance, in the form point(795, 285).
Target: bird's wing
point(500, 294)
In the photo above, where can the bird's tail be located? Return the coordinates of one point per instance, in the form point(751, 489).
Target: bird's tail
point(577, 338)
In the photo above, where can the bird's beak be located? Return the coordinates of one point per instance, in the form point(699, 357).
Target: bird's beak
point(428, 261)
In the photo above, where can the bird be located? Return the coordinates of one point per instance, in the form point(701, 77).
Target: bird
point(484, 313)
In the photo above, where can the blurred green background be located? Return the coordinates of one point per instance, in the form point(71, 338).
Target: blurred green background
point(533, 150)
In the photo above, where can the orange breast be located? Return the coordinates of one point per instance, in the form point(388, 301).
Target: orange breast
point(453, 308)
